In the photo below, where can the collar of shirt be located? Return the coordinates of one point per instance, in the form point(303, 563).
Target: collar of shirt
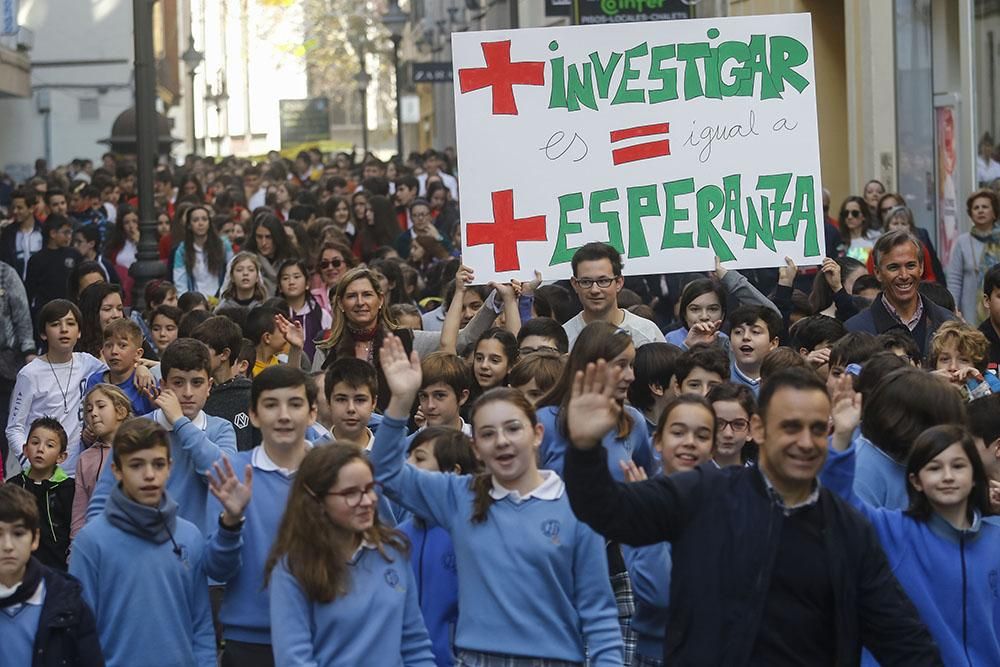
point(551, 488)
point(200, 420)
point(260, 460)
point(746, 379)
point(36, 599)
point(910, 324)
point(788, 510)
point(368, 447)
point(365, 544)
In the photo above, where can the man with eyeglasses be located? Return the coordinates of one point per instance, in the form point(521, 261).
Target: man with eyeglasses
point(423, 225)
point(597, 280)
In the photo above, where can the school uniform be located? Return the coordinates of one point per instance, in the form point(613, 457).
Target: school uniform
point(432, 557)
point(141, 403)
point(44, 621)
point(376, 622)
point(880, 480)
point(534, 585)
point(634, 447)
point(649, 570)
point(55, 510)
point(143, 573)
point(949, 574)
point(194, 447)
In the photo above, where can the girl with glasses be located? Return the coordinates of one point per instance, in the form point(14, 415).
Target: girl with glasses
point(342, 591)
point(734, 404)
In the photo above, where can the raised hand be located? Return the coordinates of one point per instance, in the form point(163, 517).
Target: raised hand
point(233, 495)
point(463, 278)
point(720, 271)
point(831, 272)
point(291, 330)
point(787, 273)
point(505, 292)
point(702, 332)
point(846, 411)
point(144, 381)
point(402, 371)
point(592, 409)
point(632, 472)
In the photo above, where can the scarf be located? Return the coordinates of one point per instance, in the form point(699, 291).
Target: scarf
point(155, 524)
point(23, 591)
point(989, 258)
point(363, 335)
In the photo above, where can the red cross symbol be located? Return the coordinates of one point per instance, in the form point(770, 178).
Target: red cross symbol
point(501, 75)
point(505, 231)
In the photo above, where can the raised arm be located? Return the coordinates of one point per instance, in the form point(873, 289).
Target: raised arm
point(453, 316)
point(737, 285)
point(638, 513)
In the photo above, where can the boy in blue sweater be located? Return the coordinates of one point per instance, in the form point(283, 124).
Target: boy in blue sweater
point(43, 618)
point(122, 350)
point(197, 440)
point(282, 405)
point(143, 567)
point(754, 333)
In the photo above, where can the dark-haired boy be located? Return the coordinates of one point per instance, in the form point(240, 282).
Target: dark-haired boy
point(22, 237)
point(142, 566)
point(270, 339)
point(991, 325)
point(542, 334)
point(122, 350)
point(754, 332)
point(282, 404)
point(351, 388)
point(51, 385)
point(813, 337)
point(444, 389)
point(230, 395)
point(42, 612)
point(983, 422)
point(48, 272)
point(197, 440)
point(699, 368)
point(51, 487)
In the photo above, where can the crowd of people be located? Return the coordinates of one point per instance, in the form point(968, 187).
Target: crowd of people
point(318, 441)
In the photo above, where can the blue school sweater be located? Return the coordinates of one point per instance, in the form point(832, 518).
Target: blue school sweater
point(376, 623)
point(635, 447)
point(649, 571)
point(432, 557)
point(194, 447)
point(245, 615)
point(533, 580)
point(949, 574)
point(18, 627)
point(150, 598)
point(141, 404)
point(879, 480)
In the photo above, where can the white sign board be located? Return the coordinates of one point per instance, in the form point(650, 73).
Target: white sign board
point(674, 141)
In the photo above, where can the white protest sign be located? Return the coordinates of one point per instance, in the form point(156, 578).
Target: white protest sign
point(675, 141)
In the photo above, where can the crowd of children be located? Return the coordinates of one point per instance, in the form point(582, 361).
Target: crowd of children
point(322, 444)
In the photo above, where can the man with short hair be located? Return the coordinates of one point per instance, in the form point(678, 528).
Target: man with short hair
point(22, 237)
point(56, 202)
point(48, 269)
point(432, 167)
point(597, 279)
point(812, 584)
point(899, 264)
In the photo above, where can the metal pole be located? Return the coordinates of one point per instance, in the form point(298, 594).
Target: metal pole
point(194, 136)
point(148, 264)
point(399, 105)
point(364, 119)
point(514, 18)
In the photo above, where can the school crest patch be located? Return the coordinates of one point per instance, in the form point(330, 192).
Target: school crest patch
point(550, 529)
point(392, 579)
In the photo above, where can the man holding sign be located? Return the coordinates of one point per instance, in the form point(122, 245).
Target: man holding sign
point(597, 280)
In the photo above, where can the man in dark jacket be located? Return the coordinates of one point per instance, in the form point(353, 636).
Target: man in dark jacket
point(768, 567)
point(991, 325)
point(899, 263)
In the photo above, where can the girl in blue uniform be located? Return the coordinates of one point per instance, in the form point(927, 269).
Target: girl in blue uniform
point(342, 591)
point(533, 586)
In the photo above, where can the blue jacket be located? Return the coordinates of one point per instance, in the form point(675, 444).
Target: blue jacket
point(649, 570)
point(636, 446)
point(725, 531)
point(193, 451)
point(950, 574)
point(376, 623)
point(432, 557)
point(533, 580)
point(880, 481)
point(141, 404)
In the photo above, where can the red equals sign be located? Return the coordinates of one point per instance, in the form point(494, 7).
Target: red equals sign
point(645, 150)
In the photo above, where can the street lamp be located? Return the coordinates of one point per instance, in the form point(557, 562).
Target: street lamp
point(363, 80)
point(217, 96)
point(394, 20)
point(192, 58)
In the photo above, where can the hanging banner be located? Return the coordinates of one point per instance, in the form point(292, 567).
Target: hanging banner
point(675, 141)
point(947, 226)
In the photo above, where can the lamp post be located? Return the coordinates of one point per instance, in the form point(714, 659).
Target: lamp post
point(217, 96)
point(394, 20)
point(363, 80)
point(192, 58)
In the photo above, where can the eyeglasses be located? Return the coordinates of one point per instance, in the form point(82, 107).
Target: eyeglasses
point(353, 497)
point(587, 283)
point(852, 213)
point(335, 263)
point(738, 425)
point(541, 348)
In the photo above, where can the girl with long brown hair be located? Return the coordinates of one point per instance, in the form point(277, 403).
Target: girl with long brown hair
point(342, 591)
point(200, 260)
point(533, 580)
